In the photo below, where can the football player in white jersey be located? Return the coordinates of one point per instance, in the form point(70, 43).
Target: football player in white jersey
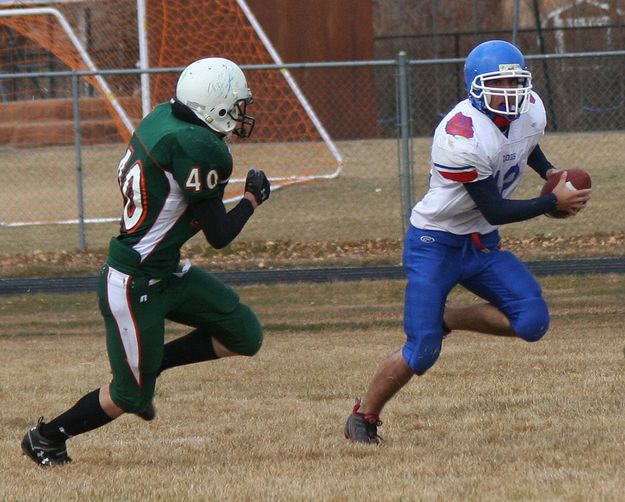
point(480, 151)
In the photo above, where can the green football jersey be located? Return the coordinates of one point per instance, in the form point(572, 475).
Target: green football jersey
point(169, 164)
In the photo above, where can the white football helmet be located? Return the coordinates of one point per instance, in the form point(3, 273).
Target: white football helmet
point(215, 89)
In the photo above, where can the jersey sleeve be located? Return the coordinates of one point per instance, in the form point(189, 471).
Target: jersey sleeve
point(457, 155)
point(201, 164)
point(537, 112)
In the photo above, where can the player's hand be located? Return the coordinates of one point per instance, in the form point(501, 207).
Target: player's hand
point(553, 170)
point(258, 185)
point(570, 200)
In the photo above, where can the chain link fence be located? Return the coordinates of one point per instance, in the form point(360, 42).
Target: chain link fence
point(59, 150)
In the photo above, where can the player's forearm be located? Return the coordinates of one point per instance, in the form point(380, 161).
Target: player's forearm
point(499, 211)
point(539, 163)
point(510, 211)
point(236, 219)
point(221, 227)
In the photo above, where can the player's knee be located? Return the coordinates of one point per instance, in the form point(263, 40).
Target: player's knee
point(251, 333)
point(532, 322)
point(421, 354)
point(133, 400)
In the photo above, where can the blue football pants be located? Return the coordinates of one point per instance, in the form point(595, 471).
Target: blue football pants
point(437, 261)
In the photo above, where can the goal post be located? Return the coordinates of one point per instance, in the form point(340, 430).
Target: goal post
point(143, 22)
point(289, 142)
point(293, 84)
point(71, 51)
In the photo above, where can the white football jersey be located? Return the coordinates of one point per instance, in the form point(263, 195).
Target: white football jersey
point(469, 147)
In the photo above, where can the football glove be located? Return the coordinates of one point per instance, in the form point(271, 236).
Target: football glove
point(258, 185)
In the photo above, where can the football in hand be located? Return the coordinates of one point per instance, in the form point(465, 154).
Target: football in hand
point(576, 179)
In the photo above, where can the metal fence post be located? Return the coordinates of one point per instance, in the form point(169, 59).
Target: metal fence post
point(405, 152)
point(516, 9)
point(78, 156)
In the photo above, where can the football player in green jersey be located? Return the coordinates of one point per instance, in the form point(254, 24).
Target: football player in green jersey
point(172, 178)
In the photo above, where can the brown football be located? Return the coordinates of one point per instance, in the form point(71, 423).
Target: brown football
point(576, 179)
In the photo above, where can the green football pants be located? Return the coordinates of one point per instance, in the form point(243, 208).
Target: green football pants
point(135, 309)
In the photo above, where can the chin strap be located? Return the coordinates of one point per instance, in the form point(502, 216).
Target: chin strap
point(501, 121)
point(183, 112)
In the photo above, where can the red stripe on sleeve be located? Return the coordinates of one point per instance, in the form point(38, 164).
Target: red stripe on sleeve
point(462, 177)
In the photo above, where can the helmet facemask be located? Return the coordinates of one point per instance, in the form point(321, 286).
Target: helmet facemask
point(516, 99)
point(238, 114)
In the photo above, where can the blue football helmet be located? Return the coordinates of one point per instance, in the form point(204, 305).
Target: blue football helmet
point(492, 60)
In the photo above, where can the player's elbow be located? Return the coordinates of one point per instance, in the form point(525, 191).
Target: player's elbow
point(493, 217)
point(218, 241)
point(219, 244)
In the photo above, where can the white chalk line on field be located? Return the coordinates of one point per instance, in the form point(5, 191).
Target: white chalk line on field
point(192, 440)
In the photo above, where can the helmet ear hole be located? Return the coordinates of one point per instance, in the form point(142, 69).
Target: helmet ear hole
point(222, 112)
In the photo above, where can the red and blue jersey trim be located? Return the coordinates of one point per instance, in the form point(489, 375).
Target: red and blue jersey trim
point(462, 174)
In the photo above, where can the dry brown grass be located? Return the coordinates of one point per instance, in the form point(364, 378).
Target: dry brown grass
point(495, 419)
point(364, 203)
point(352, 220)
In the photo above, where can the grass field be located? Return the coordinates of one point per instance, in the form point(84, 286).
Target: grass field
point(495, 419)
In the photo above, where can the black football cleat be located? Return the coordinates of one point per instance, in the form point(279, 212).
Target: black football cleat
point(42, 451)
point(361, 428)
point(148, 414)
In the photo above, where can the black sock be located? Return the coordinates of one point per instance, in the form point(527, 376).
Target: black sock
point(195, 347)
point(84, 416)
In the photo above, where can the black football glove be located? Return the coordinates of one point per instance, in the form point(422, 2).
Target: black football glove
point(258, 185)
